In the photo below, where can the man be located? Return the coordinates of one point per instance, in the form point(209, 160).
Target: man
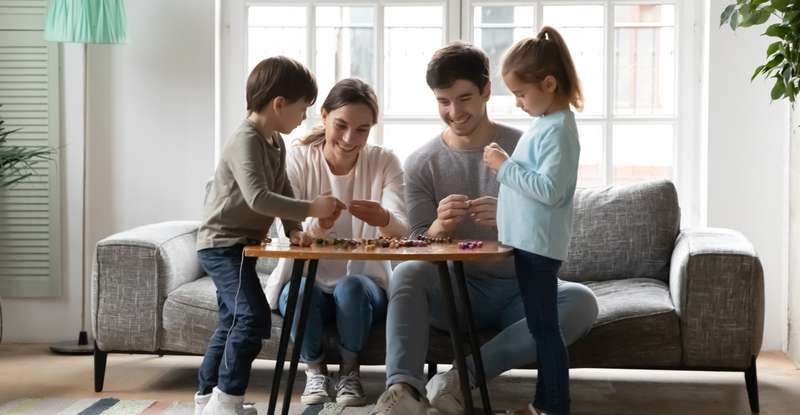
point(449, 192)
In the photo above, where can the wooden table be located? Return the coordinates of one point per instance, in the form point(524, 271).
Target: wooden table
point(436, 253)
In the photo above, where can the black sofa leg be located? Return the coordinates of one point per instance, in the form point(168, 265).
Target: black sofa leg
point(100, 358)
point(431, 370)
point(751, 380)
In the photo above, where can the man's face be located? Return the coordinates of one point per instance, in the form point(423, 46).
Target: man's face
point(462, 106)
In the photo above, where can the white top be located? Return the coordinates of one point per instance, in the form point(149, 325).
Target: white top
point(377, 176)
point(329, 271)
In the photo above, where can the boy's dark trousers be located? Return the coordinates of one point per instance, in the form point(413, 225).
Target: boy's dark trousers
point(537, 276)
point(229, 370)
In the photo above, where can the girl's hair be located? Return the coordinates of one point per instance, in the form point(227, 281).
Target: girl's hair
point(279, 76)
point(533, 59)
point(348, 91)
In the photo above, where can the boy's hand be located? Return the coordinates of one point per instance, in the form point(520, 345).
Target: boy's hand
point(494, 156)
point(372, 213)
point(483, 210)
point(450, 212)
point(326, 206)
point(300, 238)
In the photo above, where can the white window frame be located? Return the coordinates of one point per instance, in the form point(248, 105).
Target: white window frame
point(687, 146)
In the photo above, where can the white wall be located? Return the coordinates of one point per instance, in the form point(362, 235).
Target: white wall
point(747, 159)
point(151, 135)
point(794, 239)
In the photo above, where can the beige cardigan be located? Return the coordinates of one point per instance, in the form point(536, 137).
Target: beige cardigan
point(378, 177)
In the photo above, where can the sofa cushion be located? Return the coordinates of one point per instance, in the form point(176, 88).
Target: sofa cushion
point(636, 327)
point(623, 232)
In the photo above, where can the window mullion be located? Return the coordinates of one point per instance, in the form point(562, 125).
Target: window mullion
point(379, 55)
point(608, 147)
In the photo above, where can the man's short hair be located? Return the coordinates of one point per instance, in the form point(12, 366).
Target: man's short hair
point(458, 60)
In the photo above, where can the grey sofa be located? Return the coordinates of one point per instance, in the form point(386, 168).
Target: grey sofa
point(689, 299)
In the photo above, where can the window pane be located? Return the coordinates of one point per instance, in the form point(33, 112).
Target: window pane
point(267, 24)
point(582, 28)
point(496, 28)
point(644, 62)
point(590, 169)
point(642, 152)
point(345, 46)
point(411, 36)
point(406, 138)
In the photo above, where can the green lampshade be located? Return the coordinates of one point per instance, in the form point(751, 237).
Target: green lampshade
point(86, 21)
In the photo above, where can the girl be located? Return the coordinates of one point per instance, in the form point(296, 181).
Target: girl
point(250, 189)
point(539, 179)
point(352, 294)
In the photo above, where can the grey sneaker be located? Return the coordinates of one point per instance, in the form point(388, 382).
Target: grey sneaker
point(398, 401)
point(349, 391)
point(317, 389)
point(444, 393)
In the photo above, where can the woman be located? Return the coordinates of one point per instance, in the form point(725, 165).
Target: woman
point(336, 158)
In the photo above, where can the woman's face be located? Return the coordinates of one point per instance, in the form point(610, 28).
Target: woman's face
point(346, 130)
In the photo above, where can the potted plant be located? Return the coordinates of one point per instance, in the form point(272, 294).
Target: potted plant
point(783, 56)
point(16, 161)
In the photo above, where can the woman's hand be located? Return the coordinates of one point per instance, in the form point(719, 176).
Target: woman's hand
point(370, 212)
point(494, 156)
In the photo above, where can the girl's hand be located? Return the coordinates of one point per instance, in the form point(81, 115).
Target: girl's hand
point(370, 212)
point(300, 238)
point(494, 156)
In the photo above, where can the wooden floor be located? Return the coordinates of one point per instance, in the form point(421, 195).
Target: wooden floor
point(31, 371)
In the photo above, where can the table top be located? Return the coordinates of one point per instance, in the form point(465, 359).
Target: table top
point(490, 251)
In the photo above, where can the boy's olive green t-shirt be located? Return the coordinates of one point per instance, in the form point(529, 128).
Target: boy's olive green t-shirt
point(249, 191)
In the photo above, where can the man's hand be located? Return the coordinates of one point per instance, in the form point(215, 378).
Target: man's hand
point(451, 211)
point(300, 238)
point(494, 156)
point(483, 210)
point(372, 213)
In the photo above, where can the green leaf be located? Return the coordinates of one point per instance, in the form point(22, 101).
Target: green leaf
point(778, 30)
point(757, 71)
point(781, 5)
point(734, 20)
point(773, 48)
point(726, 14)
point(761, 16)
point(778, 89)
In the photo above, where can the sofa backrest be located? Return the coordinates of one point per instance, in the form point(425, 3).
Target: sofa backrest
point(623, 232)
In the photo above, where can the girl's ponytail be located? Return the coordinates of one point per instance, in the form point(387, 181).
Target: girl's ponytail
point(533, 59)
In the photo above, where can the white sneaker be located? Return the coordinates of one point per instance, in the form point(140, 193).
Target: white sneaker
point(349, 391)
point(398, 401)
point(220, 403)
point(444, 393)
point(529, 410)
point(317, 389)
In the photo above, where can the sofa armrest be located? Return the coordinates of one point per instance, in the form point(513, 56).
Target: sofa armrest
point(717, 286)
point(132, 273)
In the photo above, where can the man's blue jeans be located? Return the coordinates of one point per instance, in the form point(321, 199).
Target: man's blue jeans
point(241, 300)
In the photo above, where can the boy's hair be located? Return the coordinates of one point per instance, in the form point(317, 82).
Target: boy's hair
point(350, 91)
point(279, 76)
point(533, 59)
point(458, 60)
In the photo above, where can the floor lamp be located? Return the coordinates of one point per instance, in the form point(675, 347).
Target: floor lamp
point(84, 22)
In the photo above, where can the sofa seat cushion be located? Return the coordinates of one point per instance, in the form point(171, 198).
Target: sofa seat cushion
point(636, 327)
point(190, 317)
